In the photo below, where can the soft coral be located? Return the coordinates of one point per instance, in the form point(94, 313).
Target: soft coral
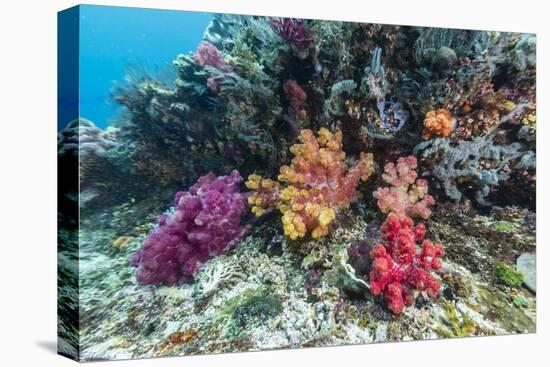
point(398, 268)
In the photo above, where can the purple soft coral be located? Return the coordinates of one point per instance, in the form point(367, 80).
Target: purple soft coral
point(205, 224)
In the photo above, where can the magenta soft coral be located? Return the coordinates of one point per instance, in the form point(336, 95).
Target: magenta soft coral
point(205, 224)
point(295, 95)
point(407, 196)
point(398, 268)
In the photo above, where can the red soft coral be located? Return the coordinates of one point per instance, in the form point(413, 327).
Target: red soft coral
point(398, 268)
point(296, 96)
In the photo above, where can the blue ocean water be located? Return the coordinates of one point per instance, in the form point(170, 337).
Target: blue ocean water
point(116, 39)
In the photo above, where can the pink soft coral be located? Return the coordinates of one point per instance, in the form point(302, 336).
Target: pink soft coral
point(208, 55)
point(407, 196)
point(398, 268)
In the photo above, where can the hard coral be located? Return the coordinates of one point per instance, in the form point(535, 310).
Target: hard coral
point(408, 195)
point(316, 184)
point(398, 268)
point(438, 123)
point(205, 224)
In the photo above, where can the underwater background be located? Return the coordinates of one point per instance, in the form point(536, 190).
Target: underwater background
point(252, 183)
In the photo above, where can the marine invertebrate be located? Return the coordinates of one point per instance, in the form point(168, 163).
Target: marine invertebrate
point(398, 268)
point(295, 95)
point(339, 93)
point(214, 277)
point(438, 123)
point(392, 115)
point(208, 55)
point(204, 224)
point(318, 181)
point(297, 34)
point(407, 196)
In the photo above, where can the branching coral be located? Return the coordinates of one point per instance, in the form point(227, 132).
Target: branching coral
point(318, 181)
point(407, 196)
point(398, 268)
point(205, 224)
point(438, 123)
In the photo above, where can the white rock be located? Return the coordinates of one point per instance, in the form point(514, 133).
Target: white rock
point(527, 264)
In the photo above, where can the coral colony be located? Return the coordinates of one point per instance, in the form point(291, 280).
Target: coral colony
point(359, 145)
point(398, 268)
point(205, 223)
point(318, 182)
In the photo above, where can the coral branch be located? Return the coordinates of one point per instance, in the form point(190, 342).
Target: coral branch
point(295, 95)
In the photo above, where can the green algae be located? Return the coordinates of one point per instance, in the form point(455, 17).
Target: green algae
point(257, 308)
point(507, 274)
point(504, 226)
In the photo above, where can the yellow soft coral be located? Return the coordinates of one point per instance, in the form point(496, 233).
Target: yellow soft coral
point(265, 194)
point(318, 181)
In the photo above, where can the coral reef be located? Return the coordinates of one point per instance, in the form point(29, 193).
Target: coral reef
point(407, 196)
point(341, 128)
point(318, 182)
point(205, 224)
point(398, 268)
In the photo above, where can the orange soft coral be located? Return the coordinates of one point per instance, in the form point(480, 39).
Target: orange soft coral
point(317, 182)
point(438, 123)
